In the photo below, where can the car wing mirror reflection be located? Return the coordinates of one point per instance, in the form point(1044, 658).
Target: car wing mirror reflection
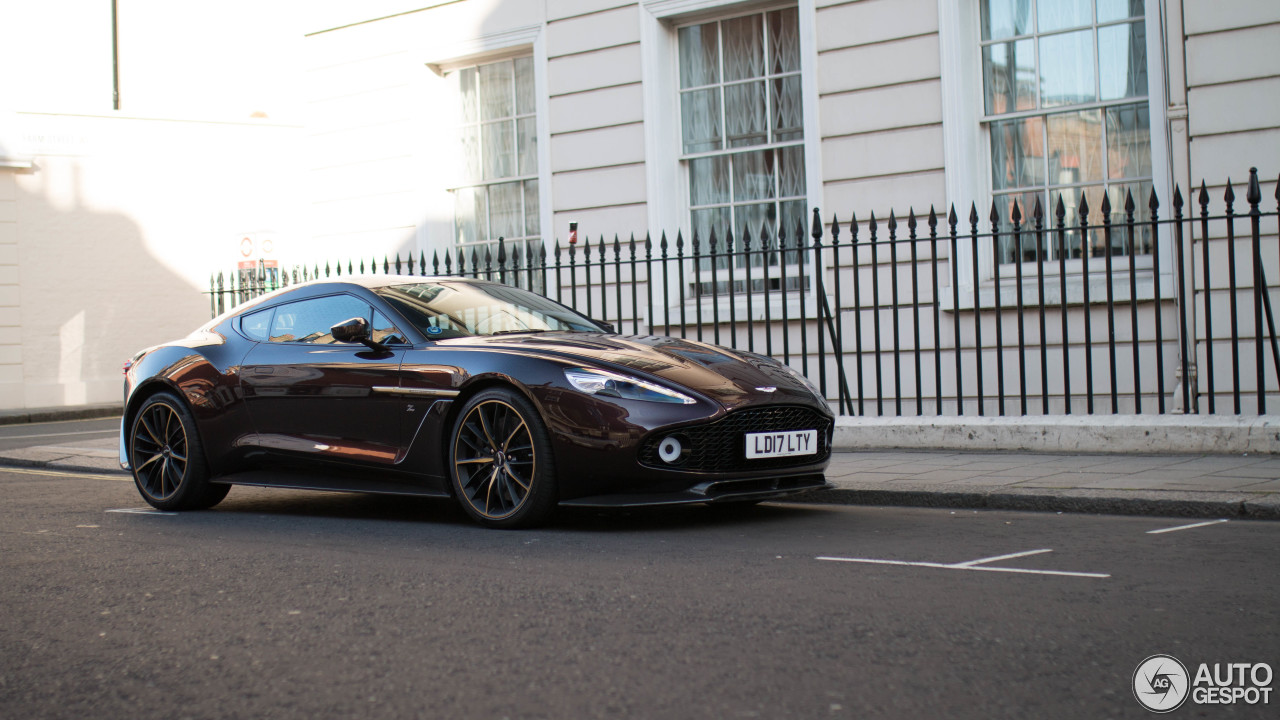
point(356, 330)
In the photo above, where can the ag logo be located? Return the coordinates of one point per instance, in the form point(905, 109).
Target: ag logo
point(1161, 683)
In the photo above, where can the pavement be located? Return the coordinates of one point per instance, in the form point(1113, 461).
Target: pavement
point(1208, 485)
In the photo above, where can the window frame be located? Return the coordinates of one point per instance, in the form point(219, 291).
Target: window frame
point(468, 52)
point(968, 169)
point(667, 169)
point(487, 239)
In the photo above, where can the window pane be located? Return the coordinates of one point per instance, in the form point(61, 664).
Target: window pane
point(753, 176)
point(743, 48)
point(310, 320)
point(784, 40)
point(699, 55)
point(527, 141)
point(1060, 14)
point(709, 180)
point(468, 105)
point(754, 218)
point(1005, 18)
point(1008, 248)
point(532, 221)
point(1066, 69)
point(524, 86)
point(700, 120)
point(794, 224)
point(744, 108)
point(1122, 60)
point(384, 331)
point(499, 149)
point(1017, 156)
point(468, 214)
point(788, 109)
point(505, 215)
point(257, 325)
point(1109, 10)
point(703, 222)
point(1071, 201)
point(1121, 243)
point(791, 178)
point(496, 99)
point(1075, 147)
point(469, 140)
point(1009, 76)
point(1128, 141)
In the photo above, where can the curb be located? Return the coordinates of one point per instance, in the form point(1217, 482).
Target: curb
point(1252, 506)
point(41, 415)
point(1094, 434)
point(12, 462)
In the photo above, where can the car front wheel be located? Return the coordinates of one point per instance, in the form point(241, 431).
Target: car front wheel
point(500, 461)
point(167, 457)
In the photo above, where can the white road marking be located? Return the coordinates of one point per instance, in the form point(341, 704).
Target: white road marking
point(66, 473)
point(997, 558)
point(977, 565)
point(142, 511)
point(1186, 527)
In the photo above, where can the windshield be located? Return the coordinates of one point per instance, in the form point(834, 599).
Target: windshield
point(442, 310)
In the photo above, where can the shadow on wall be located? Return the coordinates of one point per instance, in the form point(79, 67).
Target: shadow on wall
point(89, 293)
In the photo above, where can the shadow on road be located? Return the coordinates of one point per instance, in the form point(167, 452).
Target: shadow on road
point(386, 508)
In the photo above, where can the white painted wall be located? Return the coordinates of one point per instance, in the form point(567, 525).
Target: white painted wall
point(111, 221)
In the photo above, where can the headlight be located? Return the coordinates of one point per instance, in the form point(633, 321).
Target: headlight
point(610, 384)
point(807, 382)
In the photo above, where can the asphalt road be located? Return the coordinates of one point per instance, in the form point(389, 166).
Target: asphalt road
point(56, 433)
point(290, 604)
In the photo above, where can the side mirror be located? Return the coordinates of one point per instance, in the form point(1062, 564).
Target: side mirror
point(608, 327)
point(355, 330)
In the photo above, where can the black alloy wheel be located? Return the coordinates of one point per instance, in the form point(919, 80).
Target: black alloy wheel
point(168, 459)
point(500, 461)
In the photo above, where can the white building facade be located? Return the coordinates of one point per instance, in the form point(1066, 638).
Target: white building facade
point(445, 127)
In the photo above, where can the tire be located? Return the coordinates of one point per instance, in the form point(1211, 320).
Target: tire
point(500, 462)
point(167, 457)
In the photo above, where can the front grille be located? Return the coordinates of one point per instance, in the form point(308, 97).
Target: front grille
point(719, 446)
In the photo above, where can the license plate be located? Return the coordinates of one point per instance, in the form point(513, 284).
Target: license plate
point(782, 444)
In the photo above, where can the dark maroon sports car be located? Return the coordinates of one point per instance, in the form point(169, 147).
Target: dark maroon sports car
point(508, 401)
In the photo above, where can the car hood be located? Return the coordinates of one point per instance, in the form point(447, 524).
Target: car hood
point(733, 379)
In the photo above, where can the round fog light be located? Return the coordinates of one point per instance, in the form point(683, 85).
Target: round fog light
point(671, 450)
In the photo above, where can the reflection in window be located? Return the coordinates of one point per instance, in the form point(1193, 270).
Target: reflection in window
point(1065, 97)
point(309, 321)
point(742, 129)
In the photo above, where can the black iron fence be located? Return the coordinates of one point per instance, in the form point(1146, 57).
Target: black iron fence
point(1118, 310)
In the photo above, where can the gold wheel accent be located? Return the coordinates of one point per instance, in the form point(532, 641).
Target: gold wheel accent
point(159, 449)
point(495, 478)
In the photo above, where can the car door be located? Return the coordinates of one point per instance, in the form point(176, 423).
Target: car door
point(310, 395)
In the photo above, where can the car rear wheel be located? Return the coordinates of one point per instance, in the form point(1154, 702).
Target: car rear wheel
point(500, 461)
point(167, 457)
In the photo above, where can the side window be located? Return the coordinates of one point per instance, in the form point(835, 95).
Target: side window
point(385, 332)
point(257, 324)
point(309, 320)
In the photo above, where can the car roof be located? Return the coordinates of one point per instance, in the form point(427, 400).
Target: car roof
point(322, 286)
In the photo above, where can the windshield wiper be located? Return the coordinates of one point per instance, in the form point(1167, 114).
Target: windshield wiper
point(519, 332)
